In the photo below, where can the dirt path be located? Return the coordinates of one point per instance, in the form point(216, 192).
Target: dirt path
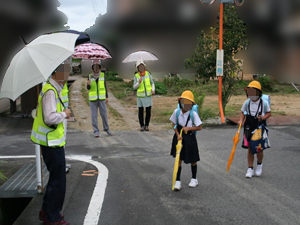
point(126, 117)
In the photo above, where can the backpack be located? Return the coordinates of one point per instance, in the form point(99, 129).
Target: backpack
point(195, 108)
point(266, 99)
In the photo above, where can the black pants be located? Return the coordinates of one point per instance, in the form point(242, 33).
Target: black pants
point(141, 116)
point(55, 161)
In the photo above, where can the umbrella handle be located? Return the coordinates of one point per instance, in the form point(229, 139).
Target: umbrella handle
point(181, 132)
point(240, 127)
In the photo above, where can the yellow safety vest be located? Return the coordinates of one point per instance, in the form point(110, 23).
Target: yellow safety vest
point(97, 91)
point(65, 93)
point(42, 134)
point(141, 93)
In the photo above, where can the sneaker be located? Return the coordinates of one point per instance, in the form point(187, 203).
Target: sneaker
point(109, 133)
point(249, 173)
point(193, 183)
point(177, 185)
point(96, 136)
point(142, 129)
point(146, 128)
point(258, 170)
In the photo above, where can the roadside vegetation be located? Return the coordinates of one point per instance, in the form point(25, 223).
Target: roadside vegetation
point(205, 93)
point(2, 176)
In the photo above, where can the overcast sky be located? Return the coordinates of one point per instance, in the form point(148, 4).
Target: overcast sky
point(82, 13)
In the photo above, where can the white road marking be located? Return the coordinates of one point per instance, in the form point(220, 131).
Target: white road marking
point(94, 209)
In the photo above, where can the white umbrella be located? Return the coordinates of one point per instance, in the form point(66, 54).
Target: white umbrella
point(35, 63)
point(140, 56)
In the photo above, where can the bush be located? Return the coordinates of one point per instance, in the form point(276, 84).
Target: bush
point(129, 85)
point(204, 113)
point(111, 73)
point(199, 100)
point(176, 81)
point(171, 81)
point(186, 83)
point(160, 88)
point(207, 114)
point(267, 83)
point(111, 76)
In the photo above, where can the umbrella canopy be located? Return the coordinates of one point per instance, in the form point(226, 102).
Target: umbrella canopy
point(35, 63)
point(176, 164)
point(236, 140)
point(91, 51)
point(83, 37)
point(140, 56)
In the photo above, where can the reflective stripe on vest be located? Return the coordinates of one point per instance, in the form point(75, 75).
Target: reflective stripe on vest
point(141, 90)
point(65, 93)
point(41, 133)
point(97, 91)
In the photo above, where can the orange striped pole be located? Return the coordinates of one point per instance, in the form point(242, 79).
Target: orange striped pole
point(221, 47)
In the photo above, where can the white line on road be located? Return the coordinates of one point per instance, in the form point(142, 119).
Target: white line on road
point(94, 209)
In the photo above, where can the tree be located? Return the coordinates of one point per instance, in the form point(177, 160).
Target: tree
point(234, 40)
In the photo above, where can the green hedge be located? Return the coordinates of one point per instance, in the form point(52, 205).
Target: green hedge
point(160, 88)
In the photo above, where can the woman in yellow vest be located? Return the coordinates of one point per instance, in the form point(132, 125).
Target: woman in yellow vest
point(144, 85)
point(48, 132)
point(98, 97)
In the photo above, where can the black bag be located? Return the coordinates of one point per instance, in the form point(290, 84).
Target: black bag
point(250, 125)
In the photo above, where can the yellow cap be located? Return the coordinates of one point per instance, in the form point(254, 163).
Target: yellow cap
point(187, 95)
point(255, 84)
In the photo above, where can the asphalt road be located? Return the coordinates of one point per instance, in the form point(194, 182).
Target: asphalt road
point(140, 174)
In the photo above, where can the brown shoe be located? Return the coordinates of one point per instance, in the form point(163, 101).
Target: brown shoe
point(146, 128)
point(42, 215)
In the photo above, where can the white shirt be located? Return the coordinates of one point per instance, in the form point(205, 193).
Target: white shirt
point(51, 117)
point(182, 118)
point(254, 107)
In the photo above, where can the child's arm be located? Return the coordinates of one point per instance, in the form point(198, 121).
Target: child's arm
point(242, 118)
point(186, 129)
point(268, 114)
point(177, 133)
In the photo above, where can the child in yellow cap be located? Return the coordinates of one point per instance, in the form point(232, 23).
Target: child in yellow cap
point(183, 120)
point(254, 111)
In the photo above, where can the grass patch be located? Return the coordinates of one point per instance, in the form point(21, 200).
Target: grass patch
point(231, 110)
point(162, 116)
point(114, 112)
point(120, 89)
point(278, 113)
